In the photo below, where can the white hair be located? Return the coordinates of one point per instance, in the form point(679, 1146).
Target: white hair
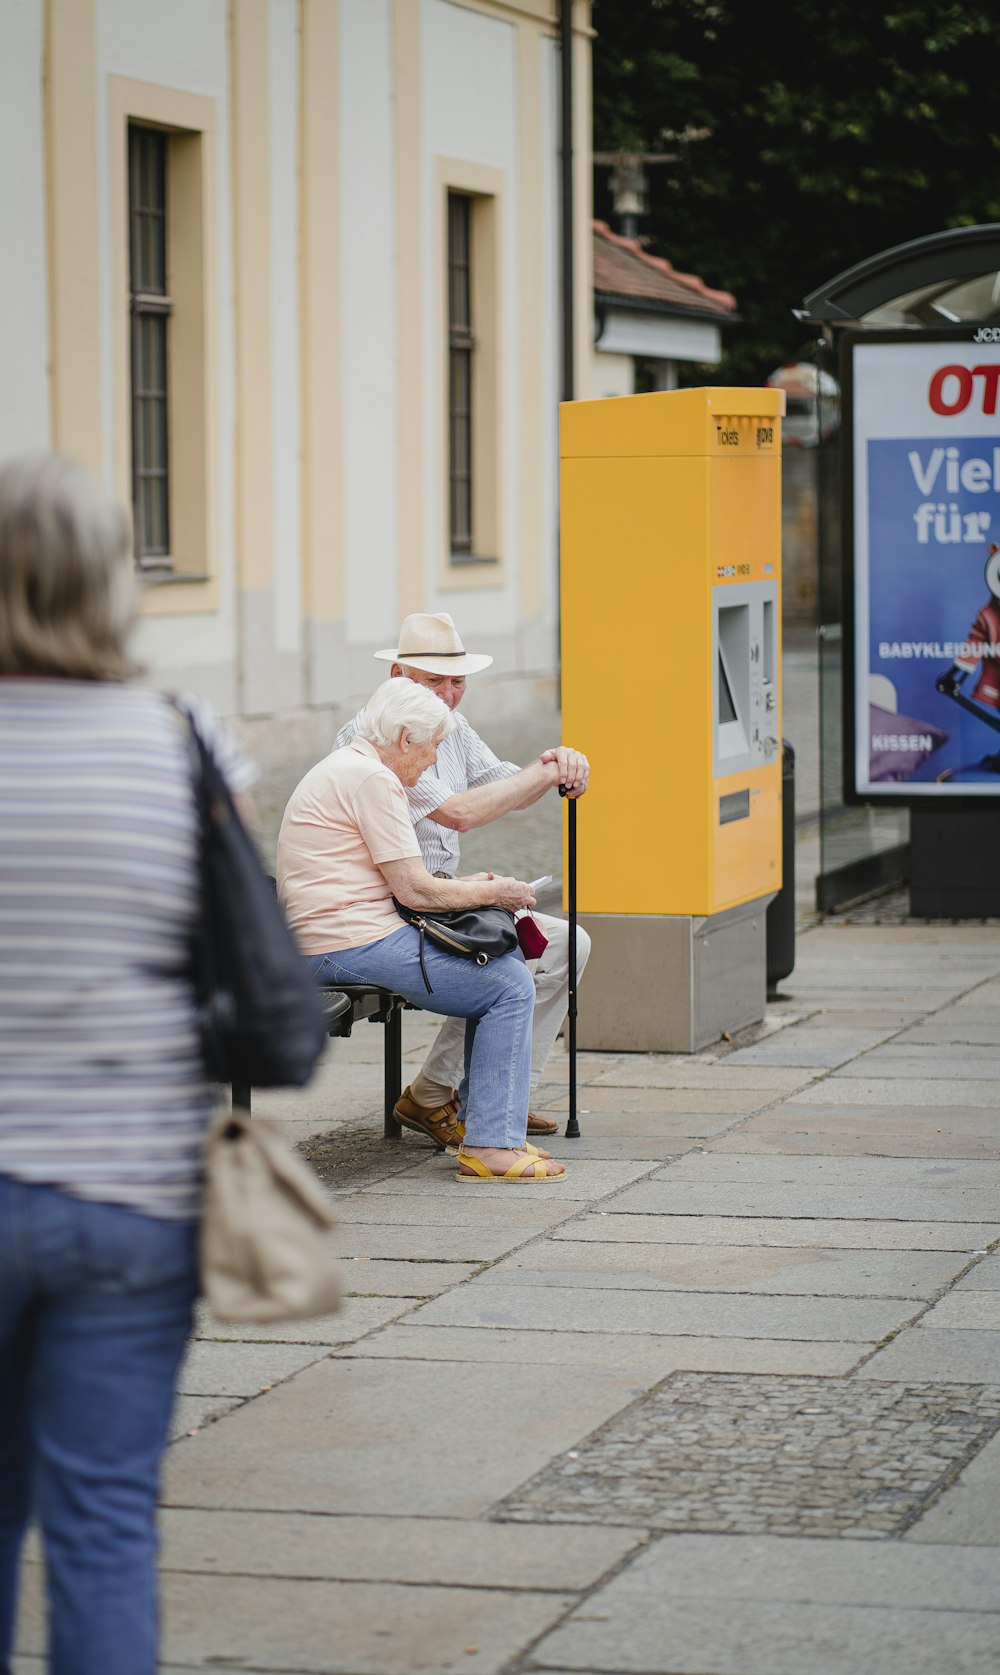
point(400, 704)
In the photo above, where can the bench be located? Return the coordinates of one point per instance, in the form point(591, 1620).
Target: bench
point(347, 1005)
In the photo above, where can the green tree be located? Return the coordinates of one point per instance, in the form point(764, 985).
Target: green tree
point(807, 137)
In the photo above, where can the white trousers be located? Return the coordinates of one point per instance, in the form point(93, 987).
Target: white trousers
point(442, 1068)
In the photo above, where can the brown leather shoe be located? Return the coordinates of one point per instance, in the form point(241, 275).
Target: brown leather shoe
point(439, 1125)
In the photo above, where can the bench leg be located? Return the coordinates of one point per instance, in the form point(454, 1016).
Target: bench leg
point(241, 1096)
point(393, 1069)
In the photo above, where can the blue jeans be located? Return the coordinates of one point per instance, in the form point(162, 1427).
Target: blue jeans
point(95, 1310)
point(497, 1001)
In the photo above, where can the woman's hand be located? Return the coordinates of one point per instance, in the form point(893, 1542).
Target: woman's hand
point(512, 893)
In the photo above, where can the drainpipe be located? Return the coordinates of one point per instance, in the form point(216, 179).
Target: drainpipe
point(566, 103)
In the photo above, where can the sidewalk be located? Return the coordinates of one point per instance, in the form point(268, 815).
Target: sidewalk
point(725, 1402)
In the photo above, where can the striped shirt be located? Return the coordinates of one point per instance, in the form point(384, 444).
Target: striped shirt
point(102, 1089)
point(464, 762)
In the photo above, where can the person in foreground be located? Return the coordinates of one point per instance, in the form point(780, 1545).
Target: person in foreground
point(466, 788)
point(345, 848)
point(104, 1102)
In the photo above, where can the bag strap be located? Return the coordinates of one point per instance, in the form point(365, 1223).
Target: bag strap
point(206, 794)
point(420, 951)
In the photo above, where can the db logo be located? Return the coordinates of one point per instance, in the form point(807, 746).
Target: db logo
point(952, 387)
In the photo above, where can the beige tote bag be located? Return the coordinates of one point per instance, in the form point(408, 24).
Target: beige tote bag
point(266, 1252)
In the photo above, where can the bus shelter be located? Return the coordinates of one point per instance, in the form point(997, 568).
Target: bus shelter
point(909, 576)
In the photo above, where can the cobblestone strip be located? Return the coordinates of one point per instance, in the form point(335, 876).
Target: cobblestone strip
point(739, 1454)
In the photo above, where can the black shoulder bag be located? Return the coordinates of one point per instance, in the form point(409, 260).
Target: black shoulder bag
point(473, 933)
point(261, 1013)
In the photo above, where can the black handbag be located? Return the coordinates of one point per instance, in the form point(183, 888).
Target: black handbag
point(473, 933)
point(261, 1013)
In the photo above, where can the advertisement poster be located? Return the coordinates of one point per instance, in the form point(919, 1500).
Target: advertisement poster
point(926, 564)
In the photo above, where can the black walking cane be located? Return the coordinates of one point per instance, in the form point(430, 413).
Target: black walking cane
point(572, 1126)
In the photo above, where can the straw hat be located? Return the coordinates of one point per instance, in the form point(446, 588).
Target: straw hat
point(432, 643)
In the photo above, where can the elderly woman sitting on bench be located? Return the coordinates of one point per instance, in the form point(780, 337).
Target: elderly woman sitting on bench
point(346, 847)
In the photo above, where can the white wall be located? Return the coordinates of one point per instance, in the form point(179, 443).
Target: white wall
point(24, 344)
point(551, 305)
point(468, 101)
point(184, 45)
point(611, 375)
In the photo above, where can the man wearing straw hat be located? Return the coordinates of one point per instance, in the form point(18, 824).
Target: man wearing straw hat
point(468, 787)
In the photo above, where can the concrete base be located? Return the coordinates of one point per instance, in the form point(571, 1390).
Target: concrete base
point(672, 984)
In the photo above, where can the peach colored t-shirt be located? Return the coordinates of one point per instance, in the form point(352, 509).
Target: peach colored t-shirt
point(349, 812)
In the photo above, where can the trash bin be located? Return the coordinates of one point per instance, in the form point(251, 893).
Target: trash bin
point(781, 913)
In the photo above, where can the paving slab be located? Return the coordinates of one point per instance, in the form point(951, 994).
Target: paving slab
point(451, 1552)
point(830, 1046)
point(667, 1071)
point(191, 1412)
point(888, 1131)
point(337, 1628)
point(976, 1311)
point(845, 1016)
point(644, 1357)
point(717, 1605)
point(555, 1308)
point(842, 1234)
point(924, 1065)
point(654, 1111)
point(949, 1028)
point(969, 1512)
point(985, 1276)
point(963, 1356)
point(356, 1317)
point(365, 1436)
point(242, 1369)
point(584, 1182)
point(853, 1090)
point(732, 1268)
point(454, 1244)
point(620, 1146)
point(365, 1276)
point(759, 1198)
point(527, 1212)
point(945, 1173)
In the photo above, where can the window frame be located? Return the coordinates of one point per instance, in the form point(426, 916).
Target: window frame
point(477, 561)
point(149, 302)
point(461, 354)
point(190, 584)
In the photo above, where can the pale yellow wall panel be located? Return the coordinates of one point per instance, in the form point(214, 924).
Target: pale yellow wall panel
point(320, 312)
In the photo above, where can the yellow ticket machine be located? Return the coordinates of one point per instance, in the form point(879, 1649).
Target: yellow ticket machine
point(671, 681)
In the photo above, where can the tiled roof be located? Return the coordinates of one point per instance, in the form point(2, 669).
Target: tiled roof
point(623, 269)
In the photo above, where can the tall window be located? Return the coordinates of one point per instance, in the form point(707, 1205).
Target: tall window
point(461, 344)
point(150, 311)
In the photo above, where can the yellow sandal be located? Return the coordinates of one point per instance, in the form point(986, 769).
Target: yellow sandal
point(529, 1169)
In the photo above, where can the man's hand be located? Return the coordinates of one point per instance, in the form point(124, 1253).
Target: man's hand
point(573, 768)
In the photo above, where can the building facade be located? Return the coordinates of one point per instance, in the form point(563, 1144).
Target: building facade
point(285, 274)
